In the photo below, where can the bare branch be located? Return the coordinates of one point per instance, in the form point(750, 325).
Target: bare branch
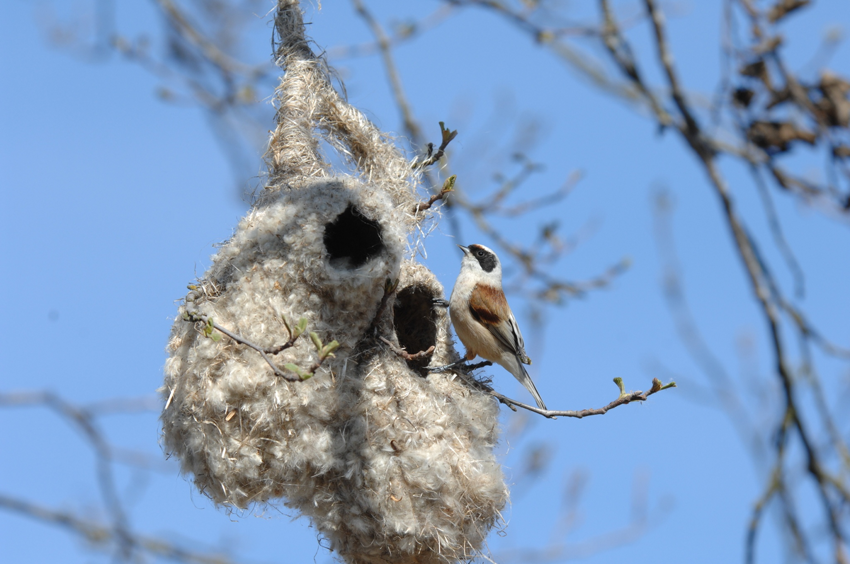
point(545, 200)
point(217, 57)
point(410, 123)
point(406, 355)
point(84, 420)
point(402, 34)
point(104, 536)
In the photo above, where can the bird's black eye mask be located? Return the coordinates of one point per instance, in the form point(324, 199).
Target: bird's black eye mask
point(485, 258)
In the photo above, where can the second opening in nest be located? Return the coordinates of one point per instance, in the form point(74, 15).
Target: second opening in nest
point(352, 239)
point(415, 322)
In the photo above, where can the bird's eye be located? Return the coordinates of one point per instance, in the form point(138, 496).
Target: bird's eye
point(480, 253)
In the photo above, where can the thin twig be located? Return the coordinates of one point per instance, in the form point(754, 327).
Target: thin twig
point(401, 34)
point(392, 71)
point(406, 355)
point(210, 51)
point(85, 421)
point(448, 187)
point(447, 136)
point(194, 317)
point(625, 398)
point(99, 534)
point(545, 200)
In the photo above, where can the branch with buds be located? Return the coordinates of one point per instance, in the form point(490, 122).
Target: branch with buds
point(448, 186)
point(447, 136)
point(213, 330)
point(623, 399)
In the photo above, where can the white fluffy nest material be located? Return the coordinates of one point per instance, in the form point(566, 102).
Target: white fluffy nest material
point(389, 463)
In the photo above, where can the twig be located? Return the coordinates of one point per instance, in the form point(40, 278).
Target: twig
point(194, 317)
point(691, 128)
point(448, 186)
point(85, 421)
point(545, 200)
point(406, 355)
point(401, 34)
point(621, 53)
point(99, 534)
point(778, 235)
point(549, 39)
point(447, 136)
point(208, 48)
point(392, 71)
point(625, 398)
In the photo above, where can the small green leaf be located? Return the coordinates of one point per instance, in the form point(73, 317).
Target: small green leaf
point(449, 184)
point(294, 368)
point(215, 337)
point(301, 374)
point(300, 328)
point(317, 342)
point(286, 324)
point(670, 385)
point(447, 134)
point(328, 349)
point(619, 382)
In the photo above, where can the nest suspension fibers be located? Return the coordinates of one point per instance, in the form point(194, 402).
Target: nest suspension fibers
point(390, 463)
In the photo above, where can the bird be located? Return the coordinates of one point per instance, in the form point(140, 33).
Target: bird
point(482, 318)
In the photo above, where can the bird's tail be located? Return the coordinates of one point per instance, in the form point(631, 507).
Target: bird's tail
point(525, 380)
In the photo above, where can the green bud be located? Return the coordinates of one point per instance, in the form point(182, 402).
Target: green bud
point(328, 349)
point(619, 382)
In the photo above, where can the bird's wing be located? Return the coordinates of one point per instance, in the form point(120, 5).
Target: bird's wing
point(490, 308)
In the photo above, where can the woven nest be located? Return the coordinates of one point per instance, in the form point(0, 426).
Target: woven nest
point(390, 463)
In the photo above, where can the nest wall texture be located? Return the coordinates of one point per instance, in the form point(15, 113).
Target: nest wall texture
point(390, 463)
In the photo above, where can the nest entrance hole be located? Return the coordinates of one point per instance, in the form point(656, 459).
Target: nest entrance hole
point(415, 323)
point(352, 239)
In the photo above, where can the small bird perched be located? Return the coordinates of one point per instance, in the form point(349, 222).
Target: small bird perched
point(483, 319)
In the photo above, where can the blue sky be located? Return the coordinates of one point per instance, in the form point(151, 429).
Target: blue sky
point(112, 201)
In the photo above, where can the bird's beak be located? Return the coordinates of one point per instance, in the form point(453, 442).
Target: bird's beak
point(464, 249)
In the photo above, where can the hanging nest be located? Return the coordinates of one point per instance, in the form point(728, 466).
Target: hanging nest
point(389, 462)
